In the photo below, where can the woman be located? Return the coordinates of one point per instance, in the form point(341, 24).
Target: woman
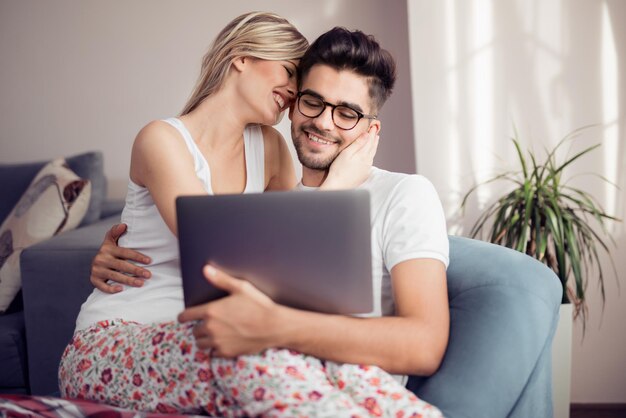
point(128, 348)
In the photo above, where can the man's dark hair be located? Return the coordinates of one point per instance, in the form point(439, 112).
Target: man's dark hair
point(342, 49)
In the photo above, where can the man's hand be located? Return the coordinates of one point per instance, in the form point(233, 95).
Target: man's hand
point(353, 164)
point(241, 323)
point(112, 263)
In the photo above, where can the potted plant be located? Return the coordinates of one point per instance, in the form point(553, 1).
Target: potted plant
point(546, 218)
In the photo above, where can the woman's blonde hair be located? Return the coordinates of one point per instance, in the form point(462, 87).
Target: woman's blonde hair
point(257, 34)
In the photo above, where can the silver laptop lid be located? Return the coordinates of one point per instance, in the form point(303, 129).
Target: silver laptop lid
point(305, 249)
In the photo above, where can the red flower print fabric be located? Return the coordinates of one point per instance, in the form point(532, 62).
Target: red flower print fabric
point(158, 368)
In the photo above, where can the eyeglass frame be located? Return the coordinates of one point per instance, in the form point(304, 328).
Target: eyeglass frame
point(326, 104)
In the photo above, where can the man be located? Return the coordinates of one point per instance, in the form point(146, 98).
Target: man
point(344, 80)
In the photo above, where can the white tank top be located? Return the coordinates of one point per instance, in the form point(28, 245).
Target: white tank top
point(160, 299)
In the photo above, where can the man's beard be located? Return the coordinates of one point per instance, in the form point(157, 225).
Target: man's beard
point(310, 160)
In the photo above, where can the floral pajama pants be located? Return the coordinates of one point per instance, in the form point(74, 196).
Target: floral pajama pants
point(157, 367)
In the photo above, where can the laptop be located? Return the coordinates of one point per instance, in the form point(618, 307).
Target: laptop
point(304, 249)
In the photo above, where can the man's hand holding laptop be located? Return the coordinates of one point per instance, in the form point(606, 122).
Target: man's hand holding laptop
point(240, 323)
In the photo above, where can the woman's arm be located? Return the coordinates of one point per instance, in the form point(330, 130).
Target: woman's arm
point(353, 164)
point(162, 163)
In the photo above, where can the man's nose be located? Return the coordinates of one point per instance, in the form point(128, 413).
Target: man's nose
point(325, 119)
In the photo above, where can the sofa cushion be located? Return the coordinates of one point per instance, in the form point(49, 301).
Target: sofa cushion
point(90, 166)
point(56, 200)
point(15, 178)
point(12, 353)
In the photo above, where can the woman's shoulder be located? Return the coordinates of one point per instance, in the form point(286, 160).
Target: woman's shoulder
point(271, 136)
point(158, 139)
point(274, 143)
point(279, 171)
point(157, 129)
point(161, 133)
point(158, 145)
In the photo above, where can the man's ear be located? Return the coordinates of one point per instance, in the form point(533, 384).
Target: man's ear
point(239, 63)
point(375, 126)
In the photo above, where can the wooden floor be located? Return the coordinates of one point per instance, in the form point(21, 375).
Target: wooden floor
point(598, 411)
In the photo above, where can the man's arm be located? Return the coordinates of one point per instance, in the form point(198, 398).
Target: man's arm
point(113, 263)
point(413, 342)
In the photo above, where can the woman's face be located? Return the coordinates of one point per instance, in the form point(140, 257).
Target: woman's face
point(269, 87)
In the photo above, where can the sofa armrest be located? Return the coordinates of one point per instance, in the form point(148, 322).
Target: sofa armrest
point(55, 283)
point(503, 311)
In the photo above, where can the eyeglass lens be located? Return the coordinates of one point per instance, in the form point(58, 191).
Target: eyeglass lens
point(343, 116)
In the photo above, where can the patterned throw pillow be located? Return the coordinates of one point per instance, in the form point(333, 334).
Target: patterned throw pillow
point(56, 201)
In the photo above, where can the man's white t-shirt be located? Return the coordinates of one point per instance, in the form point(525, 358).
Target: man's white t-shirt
point(407, 222)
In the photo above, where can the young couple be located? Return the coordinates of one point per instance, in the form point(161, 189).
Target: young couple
point(245, 355)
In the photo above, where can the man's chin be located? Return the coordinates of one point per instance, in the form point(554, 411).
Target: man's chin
point(315, 163)
point(315, 166)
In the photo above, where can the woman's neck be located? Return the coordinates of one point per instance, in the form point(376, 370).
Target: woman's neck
point(216, 123)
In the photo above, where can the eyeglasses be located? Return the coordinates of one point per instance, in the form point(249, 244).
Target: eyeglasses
point(344, 117)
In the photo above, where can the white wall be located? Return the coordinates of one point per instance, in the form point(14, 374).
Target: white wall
point(549, 67)
point(82, 75)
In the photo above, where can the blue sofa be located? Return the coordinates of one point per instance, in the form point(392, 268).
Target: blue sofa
point(504, 308)
point(503, 305)
point(14, 180)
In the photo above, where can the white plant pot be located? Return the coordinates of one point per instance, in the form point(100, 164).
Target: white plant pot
point(562, 362)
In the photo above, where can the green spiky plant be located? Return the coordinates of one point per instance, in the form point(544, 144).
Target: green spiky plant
point(551, 221)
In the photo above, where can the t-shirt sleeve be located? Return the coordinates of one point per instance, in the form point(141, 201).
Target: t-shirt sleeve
point(414, 224)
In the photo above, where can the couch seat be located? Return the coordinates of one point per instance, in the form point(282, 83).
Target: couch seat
point(13, 367)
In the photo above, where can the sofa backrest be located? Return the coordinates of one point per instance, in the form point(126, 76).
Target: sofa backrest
point(15, 178)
